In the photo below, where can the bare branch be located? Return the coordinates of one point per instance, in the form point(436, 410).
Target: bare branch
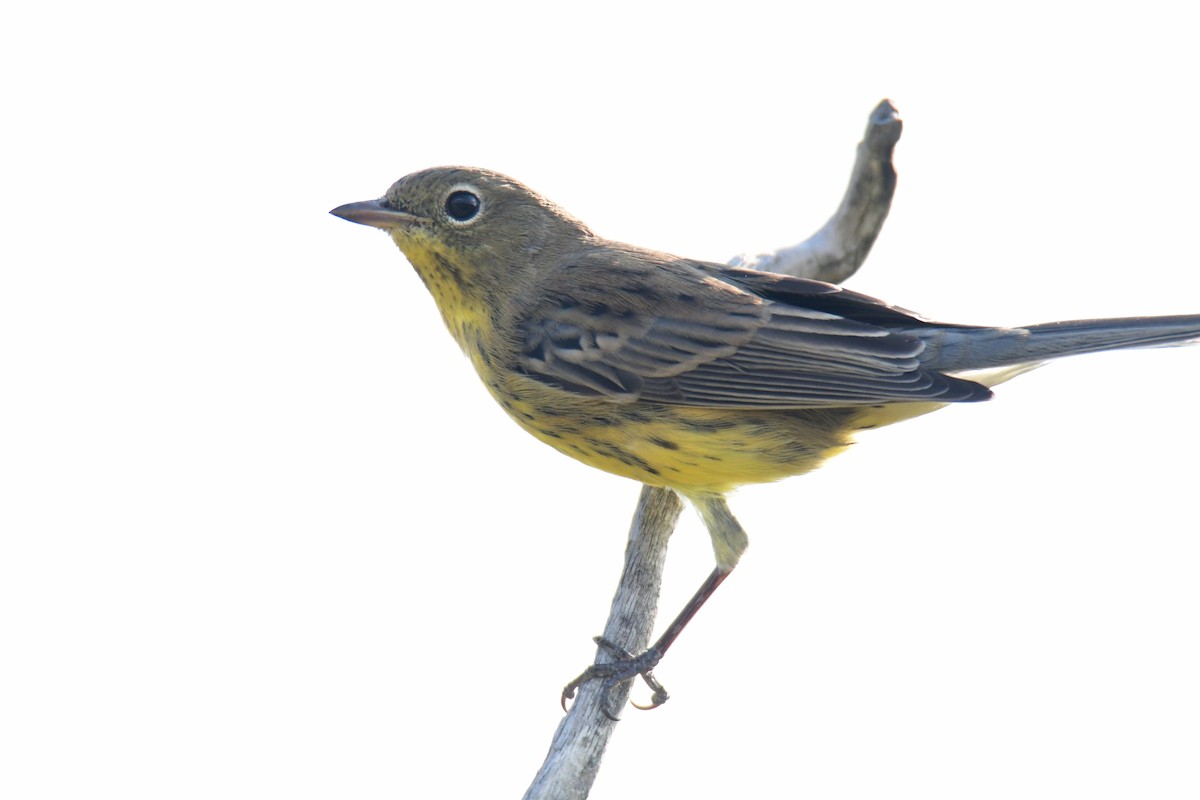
point(574, 758)
point(832, 254)
point(837, 250)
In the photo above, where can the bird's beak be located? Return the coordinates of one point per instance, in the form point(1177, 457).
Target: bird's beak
point(376, 213)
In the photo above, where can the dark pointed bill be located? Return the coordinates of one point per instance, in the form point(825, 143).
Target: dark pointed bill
point(376, 213)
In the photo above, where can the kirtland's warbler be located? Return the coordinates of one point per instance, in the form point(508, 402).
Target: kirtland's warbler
point(685, 374)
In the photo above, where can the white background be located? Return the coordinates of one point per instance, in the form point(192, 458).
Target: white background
point(265, 535)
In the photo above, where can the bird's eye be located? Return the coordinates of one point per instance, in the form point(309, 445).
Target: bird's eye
point(462, 206)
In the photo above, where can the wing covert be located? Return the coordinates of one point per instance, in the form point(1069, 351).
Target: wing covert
point(686, 335)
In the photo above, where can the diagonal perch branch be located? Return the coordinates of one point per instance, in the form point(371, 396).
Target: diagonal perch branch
point(832, 254)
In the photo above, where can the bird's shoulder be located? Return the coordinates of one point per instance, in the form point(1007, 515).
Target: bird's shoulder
point(633, 280)
point(661, 283)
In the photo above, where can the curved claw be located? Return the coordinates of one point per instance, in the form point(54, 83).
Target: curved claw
point(568, 692)
point(659, 697)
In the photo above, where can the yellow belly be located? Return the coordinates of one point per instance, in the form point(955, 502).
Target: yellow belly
point(692, 450)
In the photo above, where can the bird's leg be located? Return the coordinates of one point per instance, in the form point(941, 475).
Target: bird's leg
point(627, 665)
point(729, 541)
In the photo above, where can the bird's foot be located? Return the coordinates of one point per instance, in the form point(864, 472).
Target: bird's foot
point(626, 666)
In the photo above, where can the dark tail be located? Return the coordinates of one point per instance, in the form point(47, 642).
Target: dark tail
point(949, 349)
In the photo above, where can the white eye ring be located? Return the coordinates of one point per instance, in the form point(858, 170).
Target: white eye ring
point(463, 204)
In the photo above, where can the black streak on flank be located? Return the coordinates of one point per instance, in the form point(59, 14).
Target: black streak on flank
point(663, 443)
point(483, 356)
point(624, 456)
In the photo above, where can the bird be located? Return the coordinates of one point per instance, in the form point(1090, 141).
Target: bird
point(684, 374)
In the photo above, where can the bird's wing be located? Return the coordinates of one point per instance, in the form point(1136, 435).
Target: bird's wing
point(696, 334)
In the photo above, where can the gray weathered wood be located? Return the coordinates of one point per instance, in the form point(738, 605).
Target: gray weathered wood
point(837, 250)
point(832, 254)
point(578, 744)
